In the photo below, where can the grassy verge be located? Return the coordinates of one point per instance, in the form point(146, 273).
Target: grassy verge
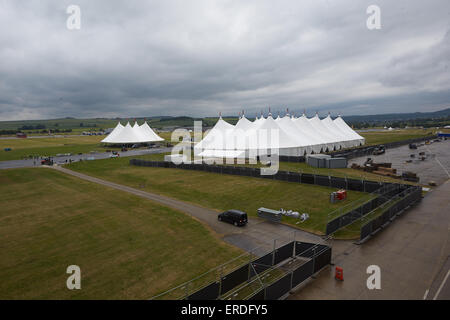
point(126, 247)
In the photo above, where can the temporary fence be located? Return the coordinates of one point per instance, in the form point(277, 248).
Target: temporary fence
point(266, 277)
point(290, 176)
point(356, 210)
point(389, 210)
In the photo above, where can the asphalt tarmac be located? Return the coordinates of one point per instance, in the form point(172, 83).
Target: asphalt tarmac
point(435, 167)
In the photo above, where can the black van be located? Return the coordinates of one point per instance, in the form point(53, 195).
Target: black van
point(236, 217)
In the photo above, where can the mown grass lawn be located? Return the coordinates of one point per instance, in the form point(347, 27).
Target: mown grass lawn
point(223, 192)
point(127, 247)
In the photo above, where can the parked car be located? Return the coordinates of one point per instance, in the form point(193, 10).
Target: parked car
point(236, 217)
point(47, 161)
point(379, 150)
point(114, 155)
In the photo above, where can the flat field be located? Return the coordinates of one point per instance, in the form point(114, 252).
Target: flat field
point(21, 148)
point(127, 247)
point(385, 136)
point(223, 192)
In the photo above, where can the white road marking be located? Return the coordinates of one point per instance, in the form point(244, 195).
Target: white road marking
point(437, 160)
point(442, 284)
point(426, 294)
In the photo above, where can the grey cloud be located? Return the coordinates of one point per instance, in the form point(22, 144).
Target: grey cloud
point(135, 58)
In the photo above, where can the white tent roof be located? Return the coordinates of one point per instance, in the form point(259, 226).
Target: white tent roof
point(288, 125)
point(264, 136)
point(346, 128)
point(307, 130)
point(148, 132)
point(347, 139)
point(243, 123)
point(135, 134)
point(215, 138)
point(307, 125)
point(324, 131)
point(116, 131)
point(292, 136)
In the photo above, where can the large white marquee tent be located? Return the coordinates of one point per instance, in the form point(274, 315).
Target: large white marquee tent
point(291, 136)
point(132, 134)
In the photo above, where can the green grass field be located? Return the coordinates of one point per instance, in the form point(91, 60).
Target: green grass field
point(305, 168)
point(127, 247)
point(22, 148)
point(381, 137)
point(223, 192)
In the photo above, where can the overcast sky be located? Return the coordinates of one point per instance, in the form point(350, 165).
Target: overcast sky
point(199, 58)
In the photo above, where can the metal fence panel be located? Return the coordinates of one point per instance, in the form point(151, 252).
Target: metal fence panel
point(277, 289)
point(258, 295)
point(284, 252)
point(302, 273)
point(303, 249)
point(355, 185)
point(366, 230)
point(339, 183)
point(210, 292)
point(322, 180)
point(333, 225)
point(294, 177)
point(322, 259)
point(261, 264)
point(371, 186)
point(234, 279)
point(307, 178)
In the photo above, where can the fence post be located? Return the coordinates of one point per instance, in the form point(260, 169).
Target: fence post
point(220, 281)
point(273, 252)
point(314, 258)
point(249, 264)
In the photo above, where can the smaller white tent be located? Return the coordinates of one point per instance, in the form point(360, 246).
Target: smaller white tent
point(113, 134)
point(128, 134)
point(149, 133)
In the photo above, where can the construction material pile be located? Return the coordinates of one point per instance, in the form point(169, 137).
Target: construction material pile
point(381, 168)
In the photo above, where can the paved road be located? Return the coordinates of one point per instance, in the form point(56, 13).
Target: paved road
point(97, 155)
point(257, 237)
point(413, 254)
point(44, 137)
